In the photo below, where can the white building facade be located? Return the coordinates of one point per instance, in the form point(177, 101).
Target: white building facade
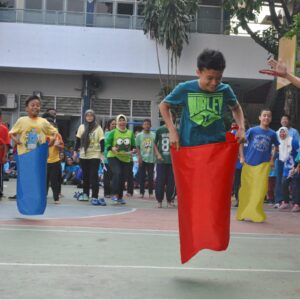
point(50, 46)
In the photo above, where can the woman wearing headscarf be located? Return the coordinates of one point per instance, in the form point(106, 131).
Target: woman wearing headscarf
point(119, 144)
point(288, 150)
point(90, 141)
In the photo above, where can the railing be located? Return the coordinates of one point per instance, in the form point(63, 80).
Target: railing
point(70, 18)
point(202, 25)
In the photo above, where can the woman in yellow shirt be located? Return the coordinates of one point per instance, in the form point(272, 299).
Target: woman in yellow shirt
point(90, 142)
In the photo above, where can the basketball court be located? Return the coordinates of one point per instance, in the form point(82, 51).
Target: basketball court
point(77, 250)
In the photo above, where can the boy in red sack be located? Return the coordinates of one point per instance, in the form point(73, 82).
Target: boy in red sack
point(207, 170)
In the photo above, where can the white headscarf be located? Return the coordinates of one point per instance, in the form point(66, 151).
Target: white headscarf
point(285, 146)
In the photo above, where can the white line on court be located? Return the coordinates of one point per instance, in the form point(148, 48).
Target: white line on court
point(132, 210)
point(145, 267)
point(144, 233)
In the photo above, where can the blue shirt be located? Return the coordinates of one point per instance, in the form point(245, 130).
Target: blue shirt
point(260, 143)
point(202, 120)
point(72, 168)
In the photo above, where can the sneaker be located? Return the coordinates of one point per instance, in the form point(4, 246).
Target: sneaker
point(95, 201)
point(102, 201)
point(296, 208)
point(284, 205)
point(57, 202)
point(114, 199)
point(121, 201)
point(276, 205)
point(83, 197)
point(77, 195)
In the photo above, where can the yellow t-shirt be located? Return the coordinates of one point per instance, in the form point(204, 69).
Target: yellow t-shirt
point(93, 151)
point(53, 155)
point(32, 132)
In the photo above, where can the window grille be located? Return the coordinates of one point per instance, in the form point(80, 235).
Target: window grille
point(120, 107)
point(101, 106)
point(68, 105)
point(141, 108)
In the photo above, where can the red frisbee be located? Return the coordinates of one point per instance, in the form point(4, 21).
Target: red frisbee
point(270, 72)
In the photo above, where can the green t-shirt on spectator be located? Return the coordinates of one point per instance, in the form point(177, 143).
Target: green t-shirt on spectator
point(145, 142)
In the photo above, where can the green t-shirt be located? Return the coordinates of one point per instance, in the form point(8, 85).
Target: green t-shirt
point(145, 141)
point(163, 144)
point(123, 140)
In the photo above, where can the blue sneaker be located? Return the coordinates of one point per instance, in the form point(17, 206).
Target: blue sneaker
point(114, 199)
point(102, 202)
point(121, 201)
point(94, 201)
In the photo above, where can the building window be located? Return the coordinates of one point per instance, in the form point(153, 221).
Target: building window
point(8, 3)
point(125, 9)
point(33, 4)
point(54, 5)
point(75, 5)
point(121, 107)
point(140, 9)
point(104, 8)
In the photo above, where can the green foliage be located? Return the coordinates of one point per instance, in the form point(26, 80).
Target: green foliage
point(246, 11)
point(168, 22)
point(295, 30)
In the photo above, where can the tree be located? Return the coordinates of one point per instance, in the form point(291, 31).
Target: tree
point(246, 11)
point(168, 23)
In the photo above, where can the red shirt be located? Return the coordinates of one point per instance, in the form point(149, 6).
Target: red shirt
point(4, 140)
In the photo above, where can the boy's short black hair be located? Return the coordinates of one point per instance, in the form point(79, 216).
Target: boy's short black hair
point(147, 120)
point(30, 98)
point(286, 116)
point(265, 109)
point(211, 59)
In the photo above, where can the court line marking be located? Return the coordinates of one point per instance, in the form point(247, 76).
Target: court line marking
point(47, 265)
point(38, 218)
point(143, 232)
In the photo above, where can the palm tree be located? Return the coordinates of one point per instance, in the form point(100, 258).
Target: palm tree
point(168, 23)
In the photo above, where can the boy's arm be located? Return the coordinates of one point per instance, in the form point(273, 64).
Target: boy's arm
point(280, 67)
point(241, 153)
point(15, 139)
point(273, 155)
point(173, 134)
point(157, 153)
point(238, 116)
point(138, 150)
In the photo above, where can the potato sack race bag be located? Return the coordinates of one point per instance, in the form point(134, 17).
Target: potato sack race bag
point(204, 177)
point(31, 181)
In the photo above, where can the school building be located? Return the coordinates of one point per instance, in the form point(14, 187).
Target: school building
point(93, 53)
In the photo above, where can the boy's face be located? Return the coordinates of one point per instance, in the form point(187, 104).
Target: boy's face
point(33, 108)
point(265, 118)
point(146, 126)
point(69, 161)
point(285, 122)
point(209, 79)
